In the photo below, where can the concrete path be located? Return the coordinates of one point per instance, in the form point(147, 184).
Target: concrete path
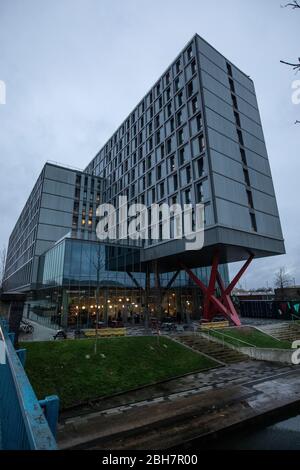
point(40, 333)
point(165, 416)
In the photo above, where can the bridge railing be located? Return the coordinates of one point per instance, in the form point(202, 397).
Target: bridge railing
point(25, 423)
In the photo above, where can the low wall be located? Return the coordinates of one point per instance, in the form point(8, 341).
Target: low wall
point(272, 355)
point(260, 354)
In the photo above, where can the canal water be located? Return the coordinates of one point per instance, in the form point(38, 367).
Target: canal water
point(283, 435)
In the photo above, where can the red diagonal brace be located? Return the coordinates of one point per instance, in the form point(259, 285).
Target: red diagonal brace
point(226, 299)
point(208, 306)
point(219, 306)
point(224, 305)
point(236, 279)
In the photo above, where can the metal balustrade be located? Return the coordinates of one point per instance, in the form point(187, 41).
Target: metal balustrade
point(25, 423)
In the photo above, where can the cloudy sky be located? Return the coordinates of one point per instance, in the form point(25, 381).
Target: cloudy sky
point(75, 68)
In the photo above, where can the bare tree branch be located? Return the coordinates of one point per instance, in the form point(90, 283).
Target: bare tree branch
point(295, 4)
point(295, 66)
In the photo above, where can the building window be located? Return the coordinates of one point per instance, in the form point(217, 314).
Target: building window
point(157, 137)
point(231, 83)
point(182, 156)
point(240, 137)
point(187, 196)
point(234, 100)
point(174, 199)
point(179, 99)
point(150, 144)
point(180, 137)
point(169, 145)
point(168, 94)
point(172, 124)
point(229, 69)
point(179, 118)
point(171, 163)
point(237, 119)
point(190, 89)
point(246, 177)
point(199, 122)
point(199, 193)
point(201, 144)
point(159, 172)
point(176, 84)
point(157, 121)
point(168, 78)
point(200, 167)
point(175, 182)
point(188, 174)
point(193, 67)
point(194, 105)
point(190, 53)
point(243, 156)
point(250, 199)
point(253, 222)
point(178, 66)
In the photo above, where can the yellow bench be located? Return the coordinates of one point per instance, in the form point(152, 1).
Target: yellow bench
point(214, 325)
point(104, 332)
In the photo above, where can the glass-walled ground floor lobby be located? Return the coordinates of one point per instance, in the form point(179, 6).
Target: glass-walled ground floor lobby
point(82, 283)
point(112, 306)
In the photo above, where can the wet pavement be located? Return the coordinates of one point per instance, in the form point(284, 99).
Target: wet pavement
point(183, 409)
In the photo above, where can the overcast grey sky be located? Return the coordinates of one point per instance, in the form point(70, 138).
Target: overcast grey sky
point(75, 68)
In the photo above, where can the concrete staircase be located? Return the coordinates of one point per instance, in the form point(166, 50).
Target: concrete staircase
point(216, 351)
point(283, 331)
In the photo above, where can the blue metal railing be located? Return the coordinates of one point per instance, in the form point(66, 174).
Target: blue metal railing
point(25, 423)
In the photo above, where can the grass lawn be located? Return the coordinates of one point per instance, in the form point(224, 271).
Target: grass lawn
point(252, 336)
point(71, 370)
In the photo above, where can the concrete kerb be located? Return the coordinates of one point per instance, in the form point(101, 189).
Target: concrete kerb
point(283, 356)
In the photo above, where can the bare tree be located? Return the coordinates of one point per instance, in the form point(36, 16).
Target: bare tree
point(282, 280)
point(99, 264)
point(2, 263)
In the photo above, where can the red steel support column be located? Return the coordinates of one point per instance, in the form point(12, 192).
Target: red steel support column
point(212, 305)
point(209, 308)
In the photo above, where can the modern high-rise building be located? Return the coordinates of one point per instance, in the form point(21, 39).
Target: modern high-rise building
point(196, 137)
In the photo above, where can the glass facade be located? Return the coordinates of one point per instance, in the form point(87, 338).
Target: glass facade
point(78, 279)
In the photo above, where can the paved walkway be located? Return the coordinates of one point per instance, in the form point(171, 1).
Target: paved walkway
point(40, 333)
point(217, 389)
